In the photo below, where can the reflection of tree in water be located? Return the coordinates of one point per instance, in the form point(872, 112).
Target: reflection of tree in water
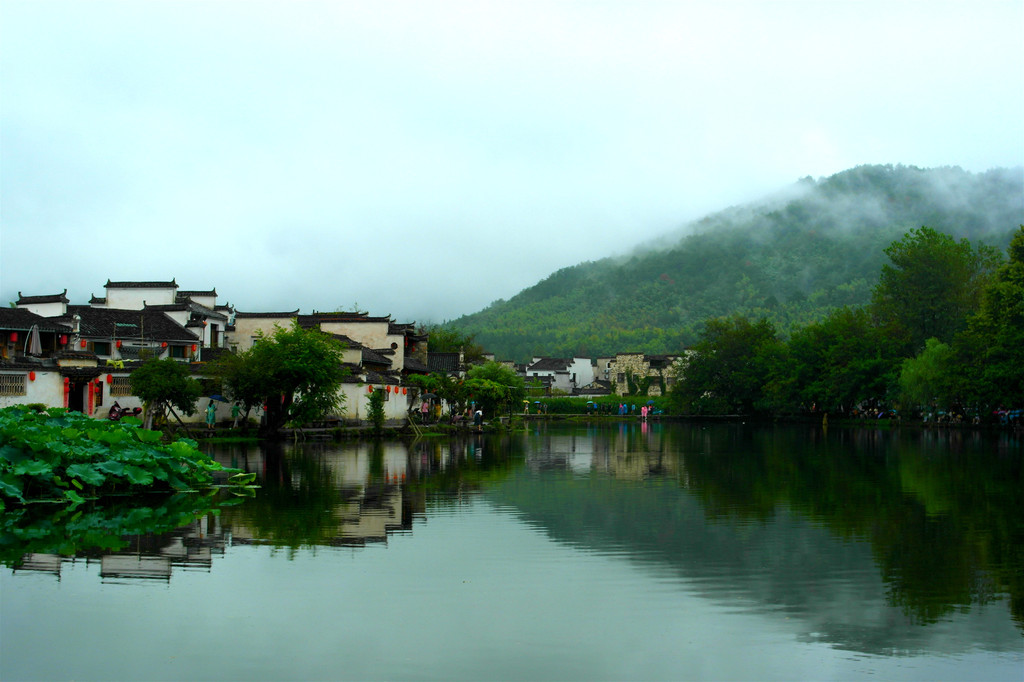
point(299, 503)
point(777, 515)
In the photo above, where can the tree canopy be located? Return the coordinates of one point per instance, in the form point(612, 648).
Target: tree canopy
point(295, 373)
point(931, 285)
point(165, 383)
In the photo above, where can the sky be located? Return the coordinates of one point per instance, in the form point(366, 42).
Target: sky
point(424, 159)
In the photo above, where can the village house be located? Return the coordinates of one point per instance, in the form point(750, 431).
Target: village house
point(564, 375)
point(81, 356)
point(638, 373)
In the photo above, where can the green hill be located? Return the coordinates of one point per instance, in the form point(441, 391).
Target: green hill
point(790, 258)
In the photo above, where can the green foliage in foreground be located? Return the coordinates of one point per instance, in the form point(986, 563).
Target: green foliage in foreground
point(67, 457)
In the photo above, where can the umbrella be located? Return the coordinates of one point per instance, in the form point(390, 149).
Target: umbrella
point(429, 395)
point(218, 396)
point(32, 344)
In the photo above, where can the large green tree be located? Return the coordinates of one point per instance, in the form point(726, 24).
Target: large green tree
point(931, 285)
point(733, 368)
point(295, 373)
point(495, 388)
point(990, 352)
point(928, 380)
point(165, 384)
point(841, 361)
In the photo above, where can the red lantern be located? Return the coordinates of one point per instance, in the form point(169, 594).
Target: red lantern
point(404, 390)
point(14, 337)
point(163, 345)
point(118, 344)
point(31, 376)
point(82, 343)
point(110, 378)
point(369, 389)
point(388, 389)
point(63, 339)
point(194, 348)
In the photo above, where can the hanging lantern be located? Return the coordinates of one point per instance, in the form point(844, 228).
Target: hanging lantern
point(118, 344)
point(14, 337)
point(388, 389)
point(194, 348)
point(404, 390)
point(369, 389)
point(63, 339)
point(110, 378)
point(31, 376)
point(163, 345)
point(82, 343)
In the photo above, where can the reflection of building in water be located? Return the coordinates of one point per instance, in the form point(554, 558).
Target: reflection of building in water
point(147, 556)
point(634, 451)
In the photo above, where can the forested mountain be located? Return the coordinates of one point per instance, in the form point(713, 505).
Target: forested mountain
point(790, 258)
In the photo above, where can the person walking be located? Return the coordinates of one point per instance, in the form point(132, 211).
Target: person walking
point(211, 416)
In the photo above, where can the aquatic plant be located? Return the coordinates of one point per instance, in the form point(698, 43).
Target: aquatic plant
point(67, 457)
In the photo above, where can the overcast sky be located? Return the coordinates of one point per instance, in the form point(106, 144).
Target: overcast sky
point(424, 159)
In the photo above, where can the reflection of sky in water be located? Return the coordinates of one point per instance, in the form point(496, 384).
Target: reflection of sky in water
point(473, 593)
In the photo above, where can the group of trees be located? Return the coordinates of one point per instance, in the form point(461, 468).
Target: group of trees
point(295, 374)
point(492, 387)
point(944, 331)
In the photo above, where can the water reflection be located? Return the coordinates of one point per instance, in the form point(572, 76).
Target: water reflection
point(872, 540)
point(866, 534)
point(128, 538)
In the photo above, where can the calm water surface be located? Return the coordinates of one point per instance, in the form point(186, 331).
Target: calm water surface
point(613, 551)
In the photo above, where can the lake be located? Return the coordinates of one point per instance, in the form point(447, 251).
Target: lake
point(609, 551)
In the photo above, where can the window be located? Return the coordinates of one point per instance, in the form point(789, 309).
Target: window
point(98, 394)
point(12, 384)
point(177, 351)
point(120, 387)
point(100, 347)
point(620, 377)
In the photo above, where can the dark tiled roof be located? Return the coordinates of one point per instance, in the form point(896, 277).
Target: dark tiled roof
point(257, 316)
point(447, 363)
point(148, 325)
point(401, 328)
point(188, 294)
point(372, 357)
point(97, 300)
point(52, 298)
point(549, 365)
point(414, 365)
point(317, 318)
point(19, 319)
point(140, 285)
point(210, 354)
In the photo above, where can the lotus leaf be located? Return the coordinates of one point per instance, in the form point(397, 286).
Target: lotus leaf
point(32, 467)
point(111, 467)
point(137, 475)
point(148, 436)
point(11, 485)
point(12, 454)
point(87, 473)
